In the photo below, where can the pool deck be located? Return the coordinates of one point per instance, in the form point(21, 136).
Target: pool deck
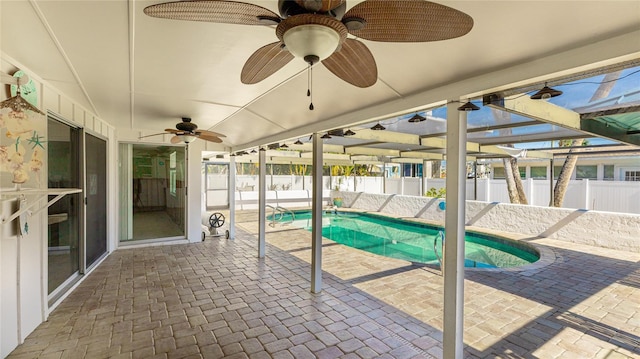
point(217, 299)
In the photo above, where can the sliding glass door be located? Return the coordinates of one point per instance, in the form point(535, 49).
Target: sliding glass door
point(152, 182)
point(64, 239)
point(96, 198)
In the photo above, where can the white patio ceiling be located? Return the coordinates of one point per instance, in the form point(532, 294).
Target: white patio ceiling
point(142, 74)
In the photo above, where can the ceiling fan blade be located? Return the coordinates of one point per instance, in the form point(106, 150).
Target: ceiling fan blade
point(155, 134)
point(218, 11)
point(210, 138)
point(353, 63)
point(264, 62)
point(176, 139)
point(320, 5)
point(408, 21)
point(209, 133)
point(172, 130)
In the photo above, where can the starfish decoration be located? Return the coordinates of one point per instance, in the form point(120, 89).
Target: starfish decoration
point(35, 140)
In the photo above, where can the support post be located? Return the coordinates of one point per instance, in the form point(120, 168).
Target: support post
point(316, 217)
point(551, 182)
point(262, 201)
point(475, 180)
point(384, 177)
point(454, 231)
point(232, 197)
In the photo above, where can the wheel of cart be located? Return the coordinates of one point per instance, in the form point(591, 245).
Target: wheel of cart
point(216, 220)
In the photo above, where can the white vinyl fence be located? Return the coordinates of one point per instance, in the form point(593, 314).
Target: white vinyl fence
point(611, 196)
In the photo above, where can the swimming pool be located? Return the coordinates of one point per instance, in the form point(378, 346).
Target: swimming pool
point(411, 241)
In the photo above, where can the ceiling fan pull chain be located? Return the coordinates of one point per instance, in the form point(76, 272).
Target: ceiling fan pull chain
point(310, 85)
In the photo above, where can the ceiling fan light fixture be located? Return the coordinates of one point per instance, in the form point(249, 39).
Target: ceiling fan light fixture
point(311, 42)
point(187, 137)
point(349, 133)
point(378, 127)
point(469, 106)
point(417, 118)
point(546, 93)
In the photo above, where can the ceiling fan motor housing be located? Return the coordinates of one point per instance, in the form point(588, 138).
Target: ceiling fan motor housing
point(186, 125)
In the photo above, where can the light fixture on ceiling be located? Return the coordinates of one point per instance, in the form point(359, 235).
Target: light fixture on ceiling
point(349, 133)
point(469, 106)
point(254, 151)
point(311, 42)
point(546, 93)
point(326, 136)
point(186, 137)
point(298, 142)
point(417, 118)
point(284, 145)
point(378, 127)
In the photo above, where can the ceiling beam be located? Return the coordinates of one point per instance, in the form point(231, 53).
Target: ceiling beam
point(421, 155)
point(372, 151)
point(498, 150)
point(438, 142)
point(387, 137)
point(306, 147)
point(548, 112)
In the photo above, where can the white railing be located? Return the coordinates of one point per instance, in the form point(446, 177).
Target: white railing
point(612, 196)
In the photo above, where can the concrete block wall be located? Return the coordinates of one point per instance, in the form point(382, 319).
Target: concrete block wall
point(602, 229)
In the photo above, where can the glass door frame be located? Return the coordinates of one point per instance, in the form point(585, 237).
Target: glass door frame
point(126, 197)
point(85, 189)
point(79, 169)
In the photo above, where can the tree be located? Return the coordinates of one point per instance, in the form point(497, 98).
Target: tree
point(560, 189)
point(511, 168)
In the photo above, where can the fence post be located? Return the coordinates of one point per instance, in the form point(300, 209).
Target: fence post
point(487, 192)
point(531, 192)
point(585, 184)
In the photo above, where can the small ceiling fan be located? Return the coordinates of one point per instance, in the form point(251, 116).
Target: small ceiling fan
point(187, 131)
point(316, 30)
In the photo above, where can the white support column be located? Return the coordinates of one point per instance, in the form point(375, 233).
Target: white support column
point(384, 177)
point(262, 201)
point(424, 177)
point(454, 231)
point(316, 216)
point(232, 197)
point(530, 191)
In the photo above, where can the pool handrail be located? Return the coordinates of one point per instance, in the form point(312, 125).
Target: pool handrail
point(281, 210)
point(435, 242)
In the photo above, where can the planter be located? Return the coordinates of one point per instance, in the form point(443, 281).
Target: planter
point(337, 202)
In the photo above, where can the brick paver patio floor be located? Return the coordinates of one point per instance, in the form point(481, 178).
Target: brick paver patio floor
point(217, 299)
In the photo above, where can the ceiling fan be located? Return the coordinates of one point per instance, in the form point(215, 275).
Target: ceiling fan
point(187, 131)
point(316, 30)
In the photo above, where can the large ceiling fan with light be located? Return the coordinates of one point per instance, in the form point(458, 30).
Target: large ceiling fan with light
point(187, 131)
point(317, 30)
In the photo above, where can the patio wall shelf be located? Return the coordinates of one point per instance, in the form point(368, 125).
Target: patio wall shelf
point(32, 198)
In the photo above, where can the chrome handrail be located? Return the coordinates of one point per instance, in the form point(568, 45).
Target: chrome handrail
point(435, 242)
point(279, 210)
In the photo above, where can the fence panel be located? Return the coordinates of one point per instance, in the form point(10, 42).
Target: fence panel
point(393, 186)
point(613, 196)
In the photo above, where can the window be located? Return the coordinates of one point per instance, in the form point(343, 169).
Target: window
point(632, 175)
point(608, 173)
point(539, 172)
point(587, 172)
point(498, 172)
point(556, 171)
